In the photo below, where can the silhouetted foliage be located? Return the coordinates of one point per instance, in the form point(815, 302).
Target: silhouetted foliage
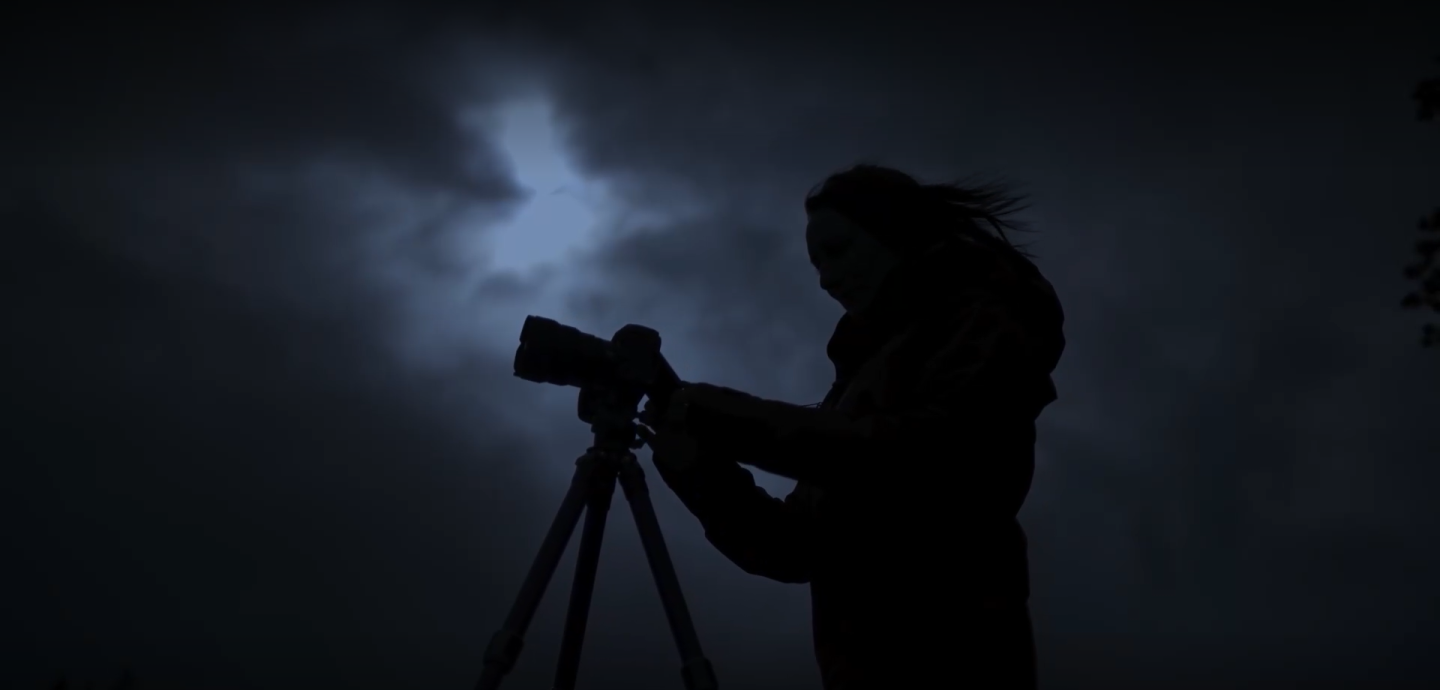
point(1427, 96)
point(1425, 272)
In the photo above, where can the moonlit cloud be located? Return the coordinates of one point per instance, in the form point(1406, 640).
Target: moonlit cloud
point(535, 255)
point(558, 219)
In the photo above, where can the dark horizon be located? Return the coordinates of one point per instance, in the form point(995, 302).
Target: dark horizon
point(264, 275)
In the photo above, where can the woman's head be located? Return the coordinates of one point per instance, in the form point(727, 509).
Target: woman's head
point(867, 221)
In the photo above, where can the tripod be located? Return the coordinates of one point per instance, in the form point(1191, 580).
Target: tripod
point(591, 490)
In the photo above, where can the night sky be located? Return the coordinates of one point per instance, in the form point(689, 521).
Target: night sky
point(263, 276)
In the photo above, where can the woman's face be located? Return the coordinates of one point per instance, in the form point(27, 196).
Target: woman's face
point(852, 264)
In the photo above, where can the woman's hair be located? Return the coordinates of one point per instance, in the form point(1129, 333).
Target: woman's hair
point(911, 217)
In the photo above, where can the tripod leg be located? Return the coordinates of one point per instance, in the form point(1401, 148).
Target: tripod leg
point(694, 668)
point(505, 645)
point(587, 562)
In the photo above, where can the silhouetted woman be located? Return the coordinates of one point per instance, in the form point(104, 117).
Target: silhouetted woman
point(911, 472)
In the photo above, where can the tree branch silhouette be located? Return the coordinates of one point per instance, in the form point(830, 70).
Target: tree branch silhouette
point(1425, 272)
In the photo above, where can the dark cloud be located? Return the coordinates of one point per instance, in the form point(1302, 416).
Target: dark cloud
point(213, 490)
point(217, 467)
point(237, 460)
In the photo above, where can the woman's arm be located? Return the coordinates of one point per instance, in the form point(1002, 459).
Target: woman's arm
point(983, 386)
point(764, 535)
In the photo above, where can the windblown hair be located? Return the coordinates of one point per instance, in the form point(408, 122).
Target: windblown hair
point(911, 217)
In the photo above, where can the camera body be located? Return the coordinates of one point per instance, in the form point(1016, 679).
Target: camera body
point(612, 374)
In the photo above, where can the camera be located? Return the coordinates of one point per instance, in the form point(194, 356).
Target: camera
point(619, 371)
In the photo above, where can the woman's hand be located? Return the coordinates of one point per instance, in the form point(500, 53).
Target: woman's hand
point(702, 421)
point(705, 424)
point(673, 450)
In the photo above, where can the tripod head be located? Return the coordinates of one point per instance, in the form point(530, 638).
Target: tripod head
point(611, 414)
point(613, 375)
